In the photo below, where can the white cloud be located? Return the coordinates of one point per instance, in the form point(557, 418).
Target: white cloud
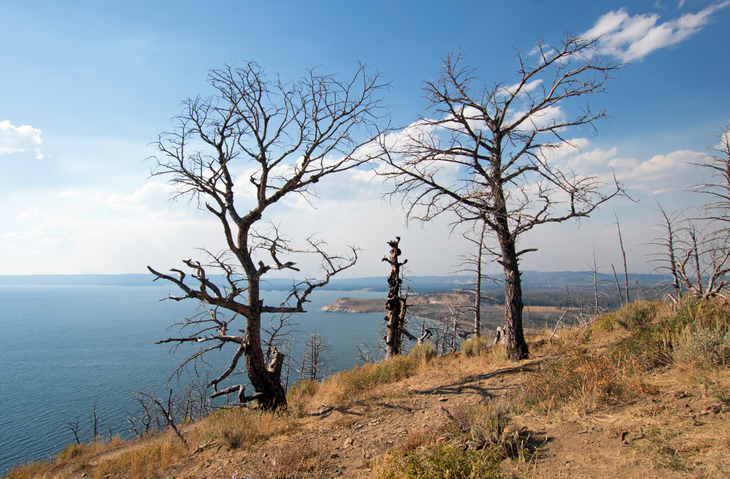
point(661, 173)
point(19, 139)
point(634, 37)
point(152, 194)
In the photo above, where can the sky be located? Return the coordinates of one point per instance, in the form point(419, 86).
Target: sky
point(87, 87)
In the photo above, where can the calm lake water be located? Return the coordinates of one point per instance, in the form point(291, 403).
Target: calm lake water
point(63, 347)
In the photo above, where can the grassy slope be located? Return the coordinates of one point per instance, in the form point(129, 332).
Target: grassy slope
point(644, 392)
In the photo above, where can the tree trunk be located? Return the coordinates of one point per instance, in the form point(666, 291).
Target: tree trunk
point(265, 381)
point(478, 287)
point(396, 306)
point(516, 346)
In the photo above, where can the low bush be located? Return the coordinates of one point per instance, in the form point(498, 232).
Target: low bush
point(423, 352)
point(72, 450)
point(703, 347)
point(241, 428)
point(305, 388)
point(485, 426)
point(636, 314)
point(475, 346)
point(441, 461)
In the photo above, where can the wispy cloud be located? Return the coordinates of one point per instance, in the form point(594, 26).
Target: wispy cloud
point(631, 38)
point(19, 139)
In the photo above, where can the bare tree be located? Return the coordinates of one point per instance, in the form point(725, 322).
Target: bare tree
point(718, 186)
point(668, 243)
point(697, 244)
point(473, 263)
point(314, 356)
point(280, 139)
point(74, 427)
point(486, 154)
point(627, 298)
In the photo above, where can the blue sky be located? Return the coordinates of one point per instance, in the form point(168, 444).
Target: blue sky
point(85, 87)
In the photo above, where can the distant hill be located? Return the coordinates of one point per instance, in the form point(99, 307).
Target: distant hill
point(531, 280)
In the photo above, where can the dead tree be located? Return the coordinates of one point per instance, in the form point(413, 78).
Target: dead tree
point(473, 263)
point(314, 357)
point(395, 305)
point(667, 245)
point(697, 243)
point(237, 153)
point(485, 154)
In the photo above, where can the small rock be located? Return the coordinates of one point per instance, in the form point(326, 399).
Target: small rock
point(443, 399)
point(348, 441)
point(334, 455)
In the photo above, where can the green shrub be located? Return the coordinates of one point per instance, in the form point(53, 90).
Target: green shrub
point(442, 461)
point(302, 389)
point(606, 322)
point(635, 315)
point(475, 346)
point(423, 352)
point(703, 346)
point(648, 346)
point(71, 451)
point(488, 427)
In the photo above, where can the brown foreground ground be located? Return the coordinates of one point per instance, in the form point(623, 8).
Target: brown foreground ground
point(574, 410)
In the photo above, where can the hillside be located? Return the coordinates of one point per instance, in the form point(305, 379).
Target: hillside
point(644, 392)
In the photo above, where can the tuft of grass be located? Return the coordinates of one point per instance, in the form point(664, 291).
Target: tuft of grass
point(73, 451)
point(476, 346)
point(702, 346)
point(441, 461)
point(485, 426)
point(423, 352)
point(346, 385)
point(585, 379)
point(144, 462)
point(28, 471)
point(637, 314)
point(605, 323)
point(300, 392)
point(242, 428)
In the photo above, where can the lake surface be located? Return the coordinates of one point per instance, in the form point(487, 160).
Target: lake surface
point(63, 347)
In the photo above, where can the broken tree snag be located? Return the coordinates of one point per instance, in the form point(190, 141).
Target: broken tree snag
point(396, 306)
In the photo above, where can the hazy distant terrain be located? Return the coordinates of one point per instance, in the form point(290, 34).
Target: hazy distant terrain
point(531, 280)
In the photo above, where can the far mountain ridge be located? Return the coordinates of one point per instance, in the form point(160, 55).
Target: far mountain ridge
point(417, 284)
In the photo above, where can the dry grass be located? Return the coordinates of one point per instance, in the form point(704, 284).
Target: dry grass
point(139, 459)
point(583, 380)
point(349, 385)
point(242, 428)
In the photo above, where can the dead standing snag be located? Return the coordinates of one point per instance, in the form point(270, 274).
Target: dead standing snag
point(279, 139)
point(485, 156)
point(396, 305)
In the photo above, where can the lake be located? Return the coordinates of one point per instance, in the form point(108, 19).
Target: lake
point(63, 347)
